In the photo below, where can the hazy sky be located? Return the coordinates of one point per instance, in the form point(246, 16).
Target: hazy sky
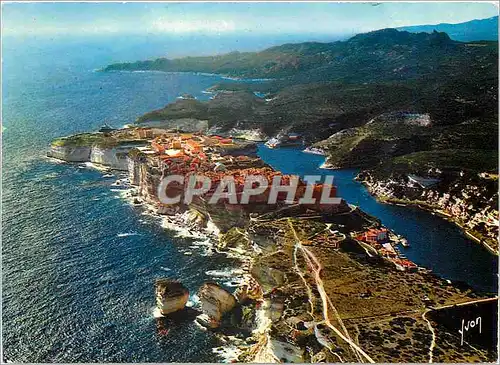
point(257, 18)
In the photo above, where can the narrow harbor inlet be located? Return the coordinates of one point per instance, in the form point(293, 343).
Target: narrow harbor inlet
point(432, 240)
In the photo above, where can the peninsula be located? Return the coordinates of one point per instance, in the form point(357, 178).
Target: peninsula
point(418, 117)
point(322, 283)
point(391, 103)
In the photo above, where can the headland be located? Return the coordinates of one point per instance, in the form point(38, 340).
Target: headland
point(321, 282)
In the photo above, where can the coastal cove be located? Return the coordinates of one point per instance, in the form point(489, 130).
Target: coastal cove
point(432, 239)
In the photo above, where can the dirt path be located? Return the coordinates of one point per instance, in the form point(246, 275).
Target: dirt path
point(433, 342)
point(310, 294)
point(315, 266)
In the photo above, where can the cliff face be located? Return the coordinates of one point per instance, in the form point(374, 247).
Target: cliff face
point(146, 177)
point(215, 302)
point(70, 154)
point(107, 149)
point(171, 296)
point(115, 158)
point(470, 201)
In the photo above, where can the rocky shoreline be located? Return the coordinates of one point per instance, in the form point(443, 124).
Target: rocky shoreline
point(311, 289)
point(453, 208)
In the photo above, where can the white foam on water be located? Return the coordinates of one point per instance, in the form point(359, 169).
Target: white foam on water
point(182, 231)
point(55, 160)
point(127, 234)
point(124, 193)
point(212, 228)
point(225, 273)
point(232, 277)
point(203, 242)
point(193, 301)
point(235, 282)
point(51, 175)
point(227, 354)
point(186, 233)
point(204, 247)
point(325, 166)
point(207, 253)
point(151, 214)
point(157, 313)
point(95, 166)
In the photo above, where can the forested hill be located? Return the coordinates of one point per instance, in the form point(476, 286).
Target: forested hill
point(380, 56)
point(383, 94)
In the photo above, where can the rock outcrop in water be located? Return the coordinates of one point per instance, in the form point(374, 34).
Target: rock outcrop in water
point(215, 302)
point(171, 296)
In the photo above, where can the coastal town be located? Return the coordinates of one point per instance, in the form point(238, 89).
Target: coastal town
point(293, 303)
point(250, 182)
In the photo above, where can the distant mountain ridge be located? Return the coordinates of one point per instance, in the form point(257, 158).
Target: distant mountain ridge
point(319, 89)
point(474, 30)
point(391, 102)
point(386, 54)
point(388, 102)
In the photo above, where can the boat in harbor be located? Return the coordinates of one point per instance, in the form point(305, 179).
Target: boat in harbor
point(285, 140)
point(404, 242)
point(272, 143)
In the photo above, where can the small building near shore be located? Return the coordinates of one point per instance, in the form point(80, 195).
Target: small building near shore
point(374, 235)
point(106, 129)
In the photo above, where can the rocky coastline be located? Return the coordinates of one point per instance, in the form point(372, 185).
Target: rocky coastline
point(312, 290)
point(471, 205)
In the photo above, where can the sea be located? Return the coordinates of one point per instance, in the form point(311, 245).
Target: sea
point(79, 262)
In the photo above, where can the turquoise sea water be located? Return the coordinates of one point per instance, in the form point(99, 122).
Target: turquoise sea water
point(78, 263)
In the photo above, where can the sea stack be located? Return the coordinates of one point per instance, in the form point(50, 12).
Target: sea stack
point(171, 295)
point(215, 302)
